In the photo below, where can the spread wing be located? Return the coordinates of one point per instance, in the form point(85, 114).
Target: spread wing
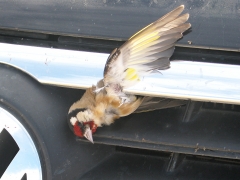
point(146, 51)
point(155, 103)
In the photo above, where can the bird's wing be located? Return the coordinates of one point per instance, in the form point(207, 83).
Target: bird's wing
point(147, 50)
point(155, 103)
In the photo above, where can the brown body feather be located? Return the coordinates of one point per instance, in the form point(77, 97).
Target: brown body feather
point(105, 108)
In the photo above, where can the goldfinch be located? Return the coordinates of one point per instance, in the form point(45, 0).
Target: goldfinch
point(145, 52)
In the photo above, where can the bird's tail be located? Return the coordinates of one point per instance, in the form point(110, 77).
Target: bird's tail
point(155, 103)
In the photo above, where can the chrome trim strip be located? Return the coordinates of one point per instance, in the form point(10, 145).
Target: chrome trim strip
point(27, 159)
point(76, 69)
point(208, 47)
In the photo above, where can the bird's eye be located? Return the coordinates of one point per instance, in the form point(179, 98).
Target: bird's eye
point(92, 126)
point(87, 126)
point(77, 128)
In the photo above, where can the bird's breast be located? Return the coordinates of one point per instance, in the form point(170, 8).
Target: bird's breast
point(106, 110)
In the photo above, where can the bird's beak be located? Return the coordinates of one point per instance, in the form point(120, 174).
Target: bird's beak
point(88, 134)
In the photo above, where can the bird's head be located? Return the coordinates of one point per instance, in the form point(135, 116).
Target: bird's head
point(81, 124)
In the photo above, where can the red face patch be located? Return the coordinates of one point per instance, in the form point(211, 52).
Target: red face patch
point(78, 131)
